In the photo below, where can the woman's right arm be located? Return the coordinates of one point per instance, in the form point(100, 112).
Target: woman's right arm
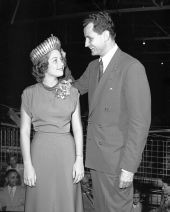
point(25, 130)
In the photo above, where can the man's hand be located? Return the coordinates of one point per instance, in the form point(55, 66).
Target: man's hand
point(126, 178)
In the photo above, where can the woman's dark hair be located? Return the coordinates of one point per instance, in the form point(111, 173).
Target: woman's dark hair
point(101, 21)
point(38, 70)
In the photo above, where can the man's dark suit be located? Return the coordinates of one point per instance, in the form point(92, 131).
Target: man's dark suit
point(119, 114)
point(15, 204)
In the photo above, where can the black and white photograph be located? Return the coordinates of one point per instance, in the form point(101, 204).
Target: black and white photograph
point(85, 105)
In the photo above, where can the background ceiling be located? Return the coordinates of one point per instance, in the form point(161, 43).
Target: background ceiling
point(144, 20)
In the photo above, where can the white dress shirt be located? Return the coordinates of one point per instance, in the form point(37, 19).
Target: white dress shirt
point(11, 191)
point(107, 58)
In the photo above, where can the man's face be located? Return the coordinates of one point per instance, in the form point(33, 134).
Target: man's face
point(12, 179)
point(136, 198)
point(94, 41)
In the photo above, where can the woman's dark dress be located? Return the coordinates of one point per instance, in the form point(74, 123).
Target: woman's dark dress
point(52, 151)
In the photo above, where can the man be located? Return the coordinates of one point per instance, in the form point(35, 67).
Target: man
point(12, 196)
point(137, 206)
point(13, 164)
point(119, 116)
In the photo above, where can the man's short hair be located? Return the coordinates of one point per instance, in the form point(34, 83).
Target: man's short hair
point(101, 21)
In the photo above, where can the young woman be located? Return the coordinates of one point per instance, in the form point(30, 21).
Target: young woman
point(53, 161)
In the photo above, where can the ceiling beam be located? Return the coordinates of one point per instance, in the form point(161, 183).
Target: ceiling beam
point(160, 28)
point(15, 12)
point(155, 52)
point(153, 38)
point(140, 9)
point(155, 3)
point(82, 14)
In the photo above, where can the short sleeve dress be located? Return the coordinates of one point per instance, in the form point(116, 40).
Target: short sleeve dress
point(52, 151)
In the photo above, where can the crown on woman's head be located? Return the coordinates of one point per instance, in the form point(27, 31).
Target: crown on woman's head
point(48, 45)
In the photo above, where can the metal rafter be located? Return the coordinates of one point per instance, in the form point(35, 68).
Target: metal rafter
point(153, 38)
point(155, 3)
point(160, 28)
point(82, 14)
point(15, 11)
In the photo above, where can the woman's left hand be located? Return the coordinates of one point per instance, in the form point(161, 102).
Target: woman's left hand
point(78, 170)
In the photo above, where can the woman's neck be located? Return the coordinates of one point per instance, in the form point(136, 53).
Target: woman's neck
point(50, 82)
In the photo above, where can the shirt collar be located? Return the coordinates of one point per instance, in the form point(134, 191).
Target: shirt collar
point(136, 206)
point(107, 58)
point(9, 188)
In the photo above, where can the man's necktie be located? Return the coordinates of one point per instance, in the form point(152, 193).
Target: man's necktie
point(100, 69)
point(11, 192)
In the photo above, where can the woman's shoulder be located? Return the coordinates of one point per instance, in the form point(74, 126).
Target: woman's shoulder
point(29, 91)
point(31, 88)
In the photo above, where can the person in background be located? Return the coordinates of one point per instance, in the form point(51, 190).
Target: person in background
point(13, 164)
point(137, 206)
point(165, 197)
point(12, 196)
point(53, 161)
point(119, 115)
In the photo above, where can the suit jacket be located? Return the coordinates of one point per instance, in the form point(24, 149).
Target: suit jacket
point(119, 114)
point(15, 204)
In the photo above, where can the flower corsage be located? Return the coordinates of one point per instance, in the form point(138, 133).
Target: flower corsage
point(63, 89)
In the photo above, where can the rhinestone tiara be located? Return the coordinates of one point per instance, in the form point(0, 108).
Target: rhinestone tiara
point(42, 49)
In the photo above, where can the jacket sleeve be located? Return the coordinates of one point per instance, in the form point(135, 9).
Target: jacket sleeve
point(138, 100)
point(68, 75)
point(82, 84)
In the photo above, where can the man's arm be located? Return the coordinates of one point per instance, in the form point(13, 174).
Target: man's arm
point(81, 84)
point(68, 75)
point(138, 99)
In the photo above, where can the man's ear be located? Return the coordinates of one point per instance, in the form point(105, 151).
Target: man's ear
point(106, 35)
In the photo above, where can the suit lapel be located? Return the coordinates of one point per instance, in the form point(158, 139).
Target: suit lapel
point(8, 195)
point(109, 74)
point(6, 191)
